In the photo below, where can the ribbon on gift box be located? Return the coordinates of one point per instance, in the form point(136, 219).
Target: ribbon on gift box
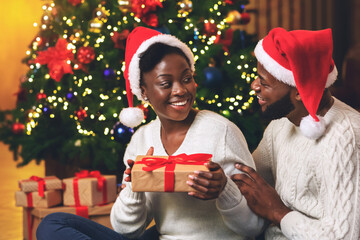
point(42, 184)
point(29, 200)
point(153, 163)
point(83, 210)
point(40, 181)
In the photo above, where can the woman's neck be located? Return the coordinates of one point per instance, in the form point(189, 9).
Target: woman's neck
point(173, 132)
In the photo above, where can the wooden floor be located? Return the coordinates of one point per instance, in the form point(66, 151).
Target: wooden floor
point(10, 215)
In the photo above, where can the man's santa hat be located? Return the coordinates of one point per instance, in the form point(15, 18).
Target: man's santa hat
point(301, 59)
point(138, 41)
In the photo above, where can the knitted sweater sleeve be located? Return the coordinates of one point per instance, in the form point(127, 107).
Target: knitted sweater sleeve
point(131, 213)
point(231, 204)
point(338, 177)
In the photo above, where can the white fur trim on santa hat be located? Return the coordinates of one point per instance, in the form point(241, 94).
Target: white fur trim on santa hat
point(134, 68)
point(281, 73)
point(312, 129)
point(131, 117)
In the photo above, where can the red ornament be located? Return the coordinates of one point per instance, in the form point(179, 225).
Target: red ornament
point(120, 38)
point(227, 40)
point(18, 128)
point(210, 28)
point(245, 18)
point(57, 59)
point(230, 2)
point(40, 96)
point(75, 2)
point(151, 20)
point(145, 110)
point(86, 55)
point(80, 66)
point(144, 9)
point(81, 114)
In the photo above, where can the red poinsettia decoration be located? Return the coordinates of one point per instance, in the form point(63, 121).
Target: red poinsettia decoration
point(57, 59)
point(119, 39)
point(86, 55)
point(144, 9)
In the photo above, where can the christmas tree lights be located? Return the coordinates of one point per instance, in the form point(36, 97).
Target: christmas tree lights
point(69, 102)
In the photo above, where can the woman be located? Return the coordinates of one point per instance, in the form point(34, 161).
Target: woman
point(159, 69)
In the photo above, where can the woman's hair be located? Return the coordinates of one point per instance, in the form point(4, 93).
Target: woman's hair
point(154, 54)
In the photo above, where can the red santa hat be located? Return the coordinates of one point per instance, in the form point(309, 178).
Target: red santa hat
point(138, 41)
point(301, 59)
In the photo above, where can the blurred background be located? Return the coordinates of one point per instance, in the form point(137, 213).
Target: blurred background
point(18, 31)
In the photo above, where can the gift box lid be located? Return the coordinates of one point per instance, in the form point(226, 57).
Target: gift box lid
point(32, 184)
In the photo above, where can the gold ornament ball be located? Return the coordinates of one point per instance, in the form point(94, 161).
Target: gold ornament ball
point(233, 17)
point(76, 36)
point(101, 14)
point(125, 6)
point(186, 7)
point(95, 25)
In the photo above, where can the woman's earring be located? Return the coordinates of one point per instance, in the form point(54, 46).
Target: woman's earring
point(146, 99)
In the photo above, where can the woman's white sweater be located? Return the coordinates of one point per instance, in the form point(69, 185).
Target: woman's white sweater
point(178, 215)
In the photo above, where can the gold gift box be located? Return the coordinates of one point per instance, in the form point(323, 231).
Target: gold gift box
point(99, 214)
point(89, 195)
point(154, 181)
point(51, 198)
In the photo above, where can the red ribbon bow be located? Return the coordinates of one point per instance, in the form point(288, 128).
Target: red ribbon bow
point(153, 163)
point(41, 184)
point(83, 210)
point(28, 213)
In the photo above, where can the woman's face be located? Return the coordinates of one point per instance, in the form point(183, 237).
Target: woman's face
point(170, 88)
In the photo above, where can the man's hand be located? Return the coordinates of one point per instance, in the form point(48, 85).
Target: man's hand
point(208, 185)
point(261, 197)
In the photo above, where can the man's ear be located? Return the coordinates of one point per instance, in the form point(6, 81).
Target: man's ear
point(297, 95)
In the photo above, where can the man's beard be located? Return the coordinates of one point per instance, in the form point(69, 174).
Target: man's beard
point(278, 109)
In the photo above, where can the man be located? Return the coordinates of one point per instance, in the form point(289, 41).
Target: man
point(307, 182)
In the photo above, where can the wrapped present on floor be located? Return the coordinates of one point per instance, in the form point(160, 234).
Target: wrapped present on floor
point(89, 189)
point(33, 216)
point(166, 173)
point(50, 198)
point(38, 184)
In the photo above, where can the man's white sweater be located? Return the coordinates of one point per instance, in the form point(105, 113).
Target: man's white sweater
point(178, 215)
point(318, 179)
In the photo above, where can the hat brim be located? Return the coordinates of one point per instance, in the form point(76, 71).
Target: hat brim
point(134, 66)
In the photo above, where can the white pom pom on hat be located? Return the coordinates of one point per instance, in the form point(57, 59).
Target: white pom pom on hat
point(131, 117)
point(312, 129)
point(138, 41)
point(301, 59)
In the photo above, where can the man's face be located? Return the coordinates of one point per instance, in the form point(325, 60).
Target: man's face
point(273, 95)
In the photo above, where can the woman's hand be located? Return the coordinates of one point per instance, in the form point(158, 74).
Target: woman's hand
point(261, 198)
point(130, 162)
point(208, 185)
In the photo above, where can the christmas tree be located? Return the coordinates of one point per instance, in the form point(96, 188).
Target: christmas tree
point(69, 101)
